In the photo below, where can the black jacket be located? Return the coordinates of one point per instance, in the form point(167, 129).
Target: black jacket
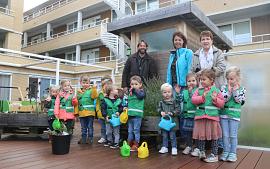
point(148, 68)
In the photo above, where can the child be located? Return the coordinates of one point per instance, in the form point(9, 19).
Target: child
point(168, 106)
point(189, 111)
point(64, 105)
point(234, 95)
point(135, 111)
point(105, 81)
point(111, 105)
point(206, 126)
point(86, 110)
point(49, 104)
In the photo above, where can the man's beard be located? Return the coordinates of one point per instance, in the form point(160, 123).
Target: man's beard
point(142, 51)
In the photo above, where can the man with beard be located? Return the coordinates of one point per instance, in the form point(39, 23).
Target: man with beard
point(139, 63)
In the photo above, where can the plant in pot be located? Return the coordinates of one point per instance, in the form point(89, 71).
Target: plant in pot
point(60, 138)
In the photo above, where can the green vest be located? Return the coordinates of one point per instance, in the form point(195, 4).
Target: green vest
point(189, 108)
point(112, 107)
point(66, 104)
point(232, 108)
point(85, 101)
point(207, 107)
point(51, 109)
point(135, 106)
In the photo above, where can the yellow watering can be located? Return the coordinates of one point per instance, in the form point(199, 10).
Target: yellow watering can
point(124, 116)
point(143, 151)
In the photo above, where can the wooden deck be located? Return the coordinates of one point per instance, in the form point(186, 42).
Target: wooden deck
point(36, 154)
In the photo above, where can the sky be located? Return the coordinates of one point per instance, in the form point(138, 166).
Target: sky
point(29, 4)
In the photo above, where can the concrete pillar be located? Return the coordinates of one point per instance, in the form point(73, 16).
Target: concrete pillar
point(78, 53)
point(79, 21)
point(48, 31)
point(25, 38)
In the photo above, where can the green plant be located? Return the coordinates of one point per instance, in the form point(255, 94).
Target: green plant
point(153, 96)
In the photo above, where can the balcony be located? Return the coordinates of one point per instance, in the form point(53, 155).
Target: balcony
point(62, 10)
point(86, 33)
point(7, 18)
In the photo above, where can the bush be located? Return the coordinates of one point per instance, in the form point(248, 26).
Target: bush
point(153, 96)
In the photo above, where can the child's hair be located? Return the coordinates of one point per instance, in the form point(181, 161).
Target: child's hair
point(53, 87)
point(162, 88)
point(63, 82)
point(209, 73)
point(136, 78)
point(106, 80)
point(109, 88)
point(120, 93)
point(189, 75)
point(84, 78)
point(234, 69)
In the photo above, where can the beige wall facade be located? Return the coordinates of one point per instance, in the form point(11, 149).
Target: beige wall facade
point(59, 12)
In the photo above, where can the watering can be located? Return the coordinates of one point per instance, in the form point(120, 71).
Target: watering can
point(125, 150)
point(56, 124)
point(166, 124)
point(115, 121)
point(124, 116)
point(143, 151)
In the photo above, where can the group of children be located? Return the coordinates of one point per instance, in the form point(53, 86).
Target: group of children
point(209, 113)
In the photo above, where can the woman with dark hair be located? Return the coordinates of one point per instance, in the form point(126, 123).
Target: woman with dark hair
point(179, 61)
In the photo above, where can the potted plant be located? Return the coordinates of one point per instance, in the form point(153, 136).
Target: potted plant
point(60, 138)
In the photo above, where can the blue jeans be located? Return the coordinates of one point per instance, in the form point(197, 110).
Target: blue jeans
point(165, 138)
point(113, 131)
point(87, 126)
point(103, 128)
point(230, 132)
point(134, 128)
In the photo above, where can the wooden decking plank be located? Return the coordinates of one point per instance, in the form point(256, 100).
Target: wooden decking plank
point(250, 160)
point(241, 154)
point(264, 161)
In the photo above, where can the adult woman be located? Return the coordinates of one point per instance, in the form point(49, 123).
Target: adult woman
point(209, 57)
point(179, 61)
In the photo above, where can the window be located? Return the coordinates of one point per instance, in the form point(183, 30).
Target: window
point(238, 33)
point(90, 56)
point(39, 87)
point(159, 40)
point(93, 21)
point(140, 7)
point(4, 82)
point(72, 27)
point(71, 56)
point(152, 5)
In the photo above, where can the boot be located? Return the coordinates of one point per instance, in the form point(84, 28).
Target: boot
point(130, 143)
point(134, 146)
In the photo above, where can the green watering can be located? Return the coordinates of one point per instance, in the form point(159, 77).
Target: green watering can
point(56, 124)
point(125, 150)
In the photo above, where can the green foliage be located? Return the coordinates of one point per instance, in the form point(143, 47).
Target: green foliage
point(153, 96)
point(61, 131)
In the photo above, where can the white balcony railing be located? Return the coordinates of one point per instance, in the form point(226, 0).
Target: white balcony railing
point(6, 11)
point(47, 9)
point(67, 32)
point(248, 39)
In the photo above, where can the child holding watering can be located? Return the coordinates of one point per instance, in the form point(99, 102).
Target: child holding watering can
point(111, 108)
point(168, 107)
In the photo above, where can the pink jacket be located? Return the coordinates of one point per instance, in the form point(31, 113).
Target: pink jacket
point(197, 100)
point(61, 113)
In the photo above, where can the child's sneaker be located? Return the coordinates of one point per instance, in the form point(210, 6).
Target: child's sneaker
point(174, 151)
point(187, 150)
point(107, 144)
point(202, 155)
point(232, 157)
point(211, 158)
point(195, 152)
point(163, 150)
point(224, 156)
point(114, 146)
point(102, 140)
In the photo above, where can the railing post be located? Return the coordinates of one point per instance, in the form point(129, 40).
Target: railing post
point(57, 74)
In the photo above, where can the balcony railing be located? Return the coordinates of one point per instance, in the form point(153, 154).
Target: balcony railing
point(6, 11)
point(67, 32)
point(247, 39)
point(46, 9)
